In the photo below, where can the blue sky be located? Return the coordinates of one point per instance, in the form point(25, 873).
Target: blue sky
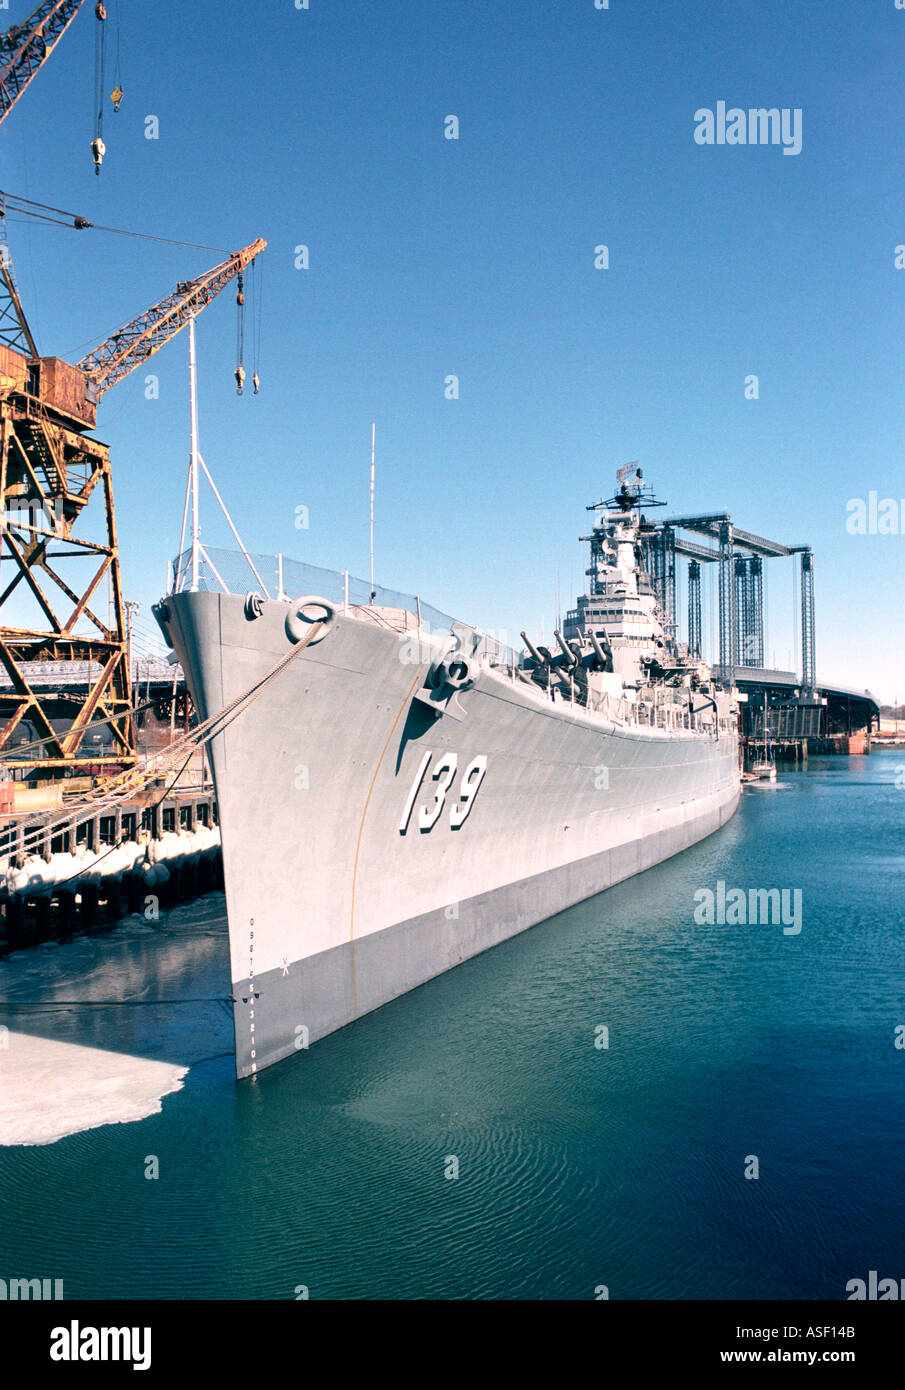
point(475, 257)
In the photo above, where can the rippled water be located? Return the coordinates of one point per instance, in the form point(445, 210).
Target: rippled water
point(578, 1165)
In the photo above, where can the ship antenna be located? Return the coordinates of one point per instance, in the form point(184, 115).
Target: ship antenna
point(193, 463)
point(373, 590)
point(192, 570)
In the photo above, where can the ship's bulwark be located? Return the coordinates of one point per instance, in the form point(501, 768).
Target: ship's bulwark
point(335, 908)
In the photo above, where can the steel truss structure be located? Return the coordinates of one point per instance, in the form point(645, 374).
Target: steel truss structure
point(50, 467)
point(713, 538)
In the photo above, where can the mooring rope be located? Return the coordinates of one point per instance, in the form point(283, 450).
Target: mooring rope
point(128, 783)
point(22, 748)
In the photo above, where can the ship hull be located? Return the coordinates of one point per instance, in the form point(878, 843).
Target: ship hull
point(350, 878)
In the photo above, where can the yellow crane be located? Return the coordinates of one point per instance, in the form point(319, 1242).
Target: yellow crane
point(25, 48)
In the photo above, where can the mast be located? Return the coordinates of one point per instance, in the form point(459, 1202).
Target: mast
point(193, 464)
point(373, 591)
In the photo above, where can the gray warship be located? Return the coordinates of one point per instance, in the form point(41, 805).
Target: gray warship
point(403, 791)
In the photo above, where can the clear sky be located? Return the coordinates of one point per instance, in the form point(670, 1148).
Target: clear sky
point(476, 257)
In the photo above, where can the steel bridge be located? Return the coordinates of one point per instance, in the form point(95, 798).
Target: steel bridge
point(795, 707)
point(714, 539)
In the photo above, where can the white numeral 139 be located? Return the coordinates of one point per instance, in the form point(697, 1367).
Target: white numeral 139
point(443, 775)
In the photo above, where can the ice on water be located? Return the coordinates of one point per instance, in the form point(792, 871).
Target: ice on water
point(100, 1029)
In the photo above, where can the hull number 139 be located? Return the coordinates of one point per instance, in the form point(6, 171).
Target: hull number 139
point(441, 780)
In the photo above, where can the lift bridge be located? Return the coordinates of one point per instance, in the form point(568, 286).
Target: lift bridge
point(799, 709)
point(740, 556)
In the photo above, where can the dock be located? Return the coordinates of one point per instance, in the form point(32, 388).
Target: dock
point(77, 874)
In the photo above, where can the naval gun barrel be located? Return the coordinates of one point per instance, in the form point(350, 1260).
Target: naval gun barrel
point(604, 657)
point(571, 658)
point(540, 661)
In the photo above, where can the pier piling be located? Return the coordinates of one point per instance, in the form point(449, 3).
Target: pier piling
point(34, 908)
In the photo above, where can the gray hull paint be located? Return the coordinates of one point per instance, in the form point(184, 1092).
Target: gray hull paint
point(333, 911)
point(329, 990)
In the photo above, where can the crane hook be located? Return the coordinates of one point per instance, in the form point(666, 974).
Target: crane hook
point(98, 150)
point(240, 379)
point(255, 381)
point(116, 97)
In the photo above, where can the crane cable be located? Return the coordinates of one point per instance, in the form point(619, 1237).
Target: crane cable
point(98, 148)
point(240, 334)
point(256, 273)
point(254, 295)
point(12, 202)
point(117, 94)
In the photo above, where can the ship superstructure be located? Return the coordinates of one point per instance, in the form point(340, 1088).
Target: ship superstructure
point(615, 645)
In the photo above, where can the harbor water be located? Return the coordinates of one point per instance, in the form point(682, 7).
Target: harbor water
point(624, 1101)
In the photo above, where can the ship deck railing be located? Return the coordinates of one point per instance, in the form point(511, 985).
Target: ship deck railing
point(283, 579)
point(655, 715)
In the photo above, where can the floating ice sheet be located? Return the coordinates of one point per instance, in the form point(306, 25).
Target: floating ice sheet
point(50, 1089)
point(102, 1028)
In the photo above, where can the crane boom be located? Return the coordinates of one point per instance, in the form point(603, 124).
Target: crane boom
point(25, 47)
point(138, 340)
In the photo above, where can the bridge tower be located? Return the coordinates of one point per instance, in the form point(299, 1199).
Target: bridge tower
point(695, 636)
point(808, 636)
point(749, 601)
point(728, 606)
